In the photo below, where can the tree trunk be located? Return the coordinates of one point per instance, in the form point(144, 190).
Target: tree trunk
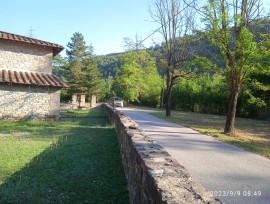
point(162, 94)
point(230, 121)
point(168, 100)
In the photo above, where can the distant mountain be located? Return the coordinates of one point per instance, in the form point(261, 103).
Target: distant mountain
point(110, 63)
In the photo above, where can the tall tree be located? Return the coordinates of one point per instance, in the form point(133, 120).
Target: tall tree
point(82, 73)
point(77, 48)
point(227, 27)
point(176, 20)
point(92, 82)
point(138, 79)
point(59, 65)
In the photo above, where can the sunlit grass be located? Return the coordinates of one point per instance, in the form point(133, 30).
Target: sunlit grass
point(76, 112)
point(75, 161)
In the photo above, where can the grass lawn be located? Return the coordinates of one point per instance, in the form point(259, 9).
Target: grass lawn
point(252, 135)
point(76, 161)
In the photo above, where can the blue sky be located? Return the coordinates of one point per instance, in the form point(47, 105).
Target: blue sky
point(104, 23)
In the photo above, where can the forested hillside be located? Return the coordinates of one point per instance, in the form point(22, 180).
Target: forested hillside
point(205, 90)
point(109, 64)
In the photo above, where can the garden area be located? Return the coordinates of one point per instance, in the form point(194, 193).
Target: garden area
point(73, 161)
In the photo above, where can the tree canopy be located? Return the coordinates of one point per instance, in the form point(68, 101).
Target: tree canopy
point(227, 27)
point(80, 68)
point(138, 79)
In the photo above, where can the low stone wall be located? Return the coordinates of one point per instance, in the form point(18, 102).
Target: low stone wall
point(153, 176)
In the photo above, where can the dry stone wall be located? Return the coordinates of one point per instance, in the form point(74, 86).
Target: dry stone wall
point(28, 102)
point(153, 176)
point(25, 57)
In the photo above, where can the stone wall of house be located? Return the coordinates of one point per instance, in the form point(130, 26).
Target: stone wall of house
point(28, 102)
point(153, 176)
point(54, 108)
point(25, 57)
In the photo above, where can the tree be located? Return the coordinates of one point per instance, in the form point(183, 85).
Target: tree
point(92, 82)
point(77, 48)
point(227, 27)
point(74, 76)
point(138, 79)
point(59, 68)
point(176, 24)
point(82, 73)
point(129, 81)
point(59, 64)
point(109, 64)
point(135, 44)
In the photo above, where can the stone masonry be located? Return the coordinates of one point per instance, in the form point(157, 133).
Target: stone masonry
point(36, 96)
point(25, 57)
point(28, 102)
point(153, 176)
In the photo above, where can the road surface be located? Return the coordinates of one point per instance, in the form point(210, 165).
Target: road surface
point(232, 174)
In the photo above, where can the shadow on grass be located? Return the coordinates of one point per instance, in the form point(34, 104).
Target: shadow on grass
point(84, 166)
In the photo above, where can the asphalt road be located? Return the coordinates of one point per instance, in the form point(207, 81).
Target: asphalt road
point(232, 174)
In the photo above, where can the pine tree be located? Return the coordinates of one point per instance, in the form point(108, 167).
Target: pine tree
point(78, 48)
point(92, 82)
point(82, 73)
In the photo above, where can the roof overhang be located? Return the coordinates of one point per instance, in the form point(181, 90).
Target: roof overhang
point(19, 38)
point(31, 78)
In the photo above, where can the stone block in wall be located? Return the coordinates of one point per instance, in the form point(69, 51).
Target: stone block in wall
point(153, 176)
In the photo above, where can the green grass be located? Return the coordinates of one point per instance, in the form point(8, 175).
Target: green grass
point(252, 135)
point(83, 113)
point(76, 161)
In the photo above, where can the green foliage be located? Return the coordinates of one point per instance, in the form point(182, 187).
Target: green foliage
point(255, 98)
point(82, 72)
point(207, 90)
point(129, 82)
point(209, 94)
point(77, 48)
point(227, 28)
point(204, 94)
point(60, 65)
point(138, 79)
point(74, 75)
point(92, 82)
point(109, 64)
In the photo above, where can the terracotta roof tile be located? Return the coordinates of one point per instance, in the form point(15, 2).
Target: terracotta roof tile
point(31, 78)
point(19, 38)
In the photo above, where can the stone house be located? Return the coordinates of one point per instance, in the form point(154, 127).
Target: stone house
point(28, 89)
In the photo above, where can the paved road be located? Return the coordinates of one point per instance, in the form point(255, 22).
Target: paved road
point(234, 175)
